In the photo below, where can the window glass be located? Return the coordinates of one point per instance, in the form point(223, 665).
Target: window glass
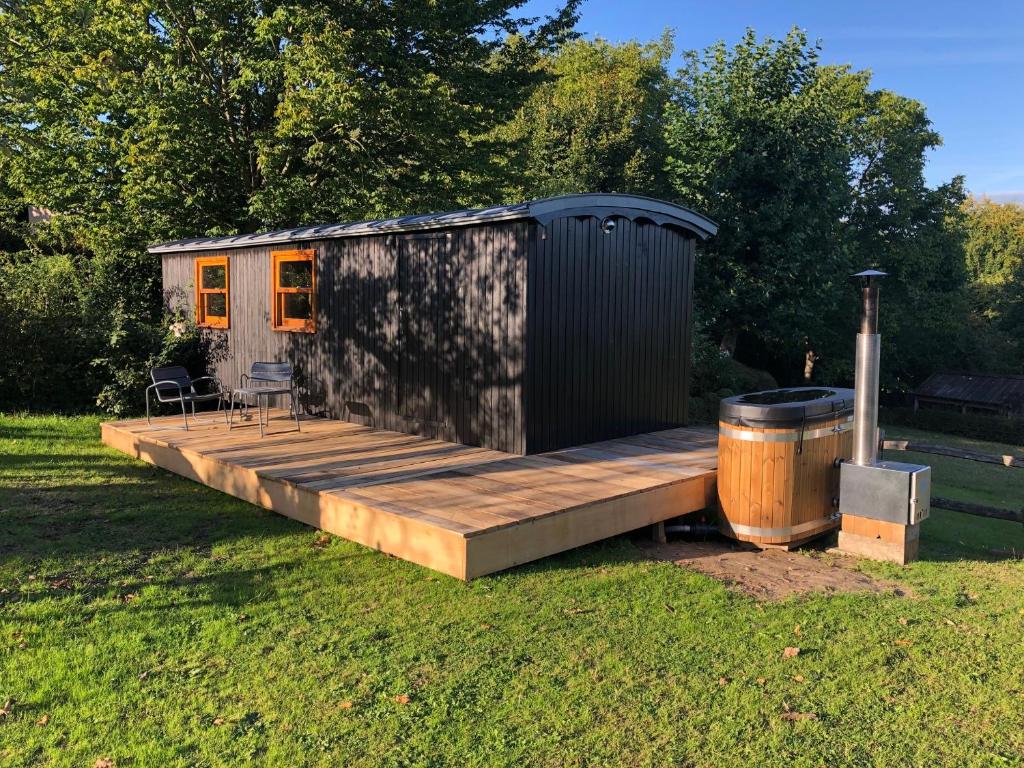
point(297, 306)
point(216, 304)
point(294, 291)
point(215, 276)
point(296, 274)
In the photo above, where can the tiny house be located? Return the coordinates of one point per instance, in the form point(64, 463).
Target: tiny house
point(521, 328)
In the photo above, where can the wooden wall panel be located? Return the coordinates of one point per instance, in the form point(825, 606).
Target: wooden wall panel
point(608, 331)
point(350, 368)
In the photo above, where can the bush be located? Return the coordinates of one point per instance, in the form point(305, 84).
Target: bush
point(45, 334)
point(74, 338)
point(134, 347)
point(979, 426)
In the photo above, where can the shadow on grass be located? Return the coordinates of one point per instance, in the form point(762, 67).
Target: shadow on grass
point(73, 506)
point(948, 536)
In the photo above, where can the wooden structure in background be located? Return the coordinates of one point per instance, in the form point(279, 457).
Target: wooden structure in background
point(461, 510)
point(1002, 394)
point(780, 491)
point(521, 328)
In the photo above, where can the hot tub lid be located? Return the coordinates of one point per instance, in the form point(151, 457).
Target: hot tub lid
point(787, 407)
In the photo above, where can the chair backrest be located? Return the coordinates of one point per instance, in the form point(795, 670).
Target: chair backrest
point(271, 372)
point(171, 373)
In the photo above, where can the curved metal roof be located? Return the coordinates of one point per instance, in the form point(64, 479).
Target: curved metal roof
point(543, 211)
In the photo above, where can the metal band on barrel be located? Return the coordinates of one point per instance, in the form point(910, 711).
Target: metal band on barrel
point(750, 530)
point(754, 436)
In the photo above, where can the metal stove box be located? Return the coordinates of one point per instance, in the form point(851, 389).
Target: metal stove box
point(886, 490)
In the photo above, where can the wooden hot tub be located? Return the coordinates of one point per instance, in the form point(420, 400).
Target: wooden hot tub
point(778, 474)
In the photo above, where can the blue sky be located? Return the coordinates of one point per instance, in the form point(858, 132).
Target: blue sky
point(964, 61)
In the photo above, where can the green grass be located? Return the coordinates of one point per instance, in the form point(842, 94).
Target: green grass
point(159, 623)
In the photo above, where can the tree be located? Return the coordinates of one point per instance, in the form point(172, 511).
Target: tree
point(595, 123)
point(171, 118)
point(756, 143)
point(913, 232)
point(813, 175)
point(995, 267)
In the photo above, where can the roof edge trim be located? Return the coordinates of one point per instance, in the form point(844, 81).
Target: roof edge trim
point(543, 211)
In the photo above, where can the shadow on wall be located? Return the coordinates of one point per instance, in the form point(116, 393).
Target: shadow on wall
point(426, 332)
point(419, 333)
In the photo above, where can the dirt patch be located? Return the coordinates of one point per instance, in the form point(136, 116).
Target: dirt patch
point(771, 574)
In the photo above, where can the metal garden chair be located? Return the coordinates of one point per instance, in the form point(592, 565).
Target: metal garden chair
point(172, 384)
point(263, 381)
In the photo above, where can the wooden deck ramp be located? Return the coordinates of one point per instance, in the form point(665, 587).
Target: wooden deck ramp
point(459, 510)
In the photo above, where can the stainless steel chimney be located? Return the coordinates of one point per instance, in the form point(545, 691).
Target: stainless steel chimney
point(877, 492)
point(865, 407)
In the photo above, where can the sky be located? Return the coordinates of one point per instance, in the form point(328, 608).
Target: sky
point(963, 60)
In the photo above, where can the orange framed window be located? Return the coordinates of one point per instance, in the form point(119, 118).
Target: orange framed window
point(293, 284)
point(213, 286)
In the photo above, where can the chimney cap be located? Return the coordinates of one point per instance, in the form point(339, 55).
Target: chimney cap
point(868, 274)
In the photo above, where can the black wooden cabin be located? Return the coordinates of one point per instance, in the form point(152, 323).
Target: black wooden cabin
point(521, 328)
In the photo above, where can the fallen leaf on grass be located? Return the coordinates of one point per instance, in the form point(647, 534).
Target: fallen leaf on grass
point(578, 611)
point(127, 598)
point(903, 621)
point(761, 680)
point(904, 642)
point(103, 762)
point(799, 716)
point(322, 540)
point(798, 678)
point(43, 720)
point(402, 698)
point(669, 608)
point(796, 630)
point(790, 651)
point(723, 681)
point(218, 721)
point(60, 584)
point(6, 709)
point(486, 626)
point(345, 705)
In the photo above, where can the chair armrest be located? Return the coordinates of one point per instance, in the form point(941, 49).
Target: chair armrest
point(214, 379)
point(159, 396)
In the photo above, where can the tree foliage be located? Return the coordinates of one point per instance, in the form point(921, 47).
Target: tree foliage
point(594, 124)
point(166, 118)
point(813, 175)
point(995, 265)
point(139, 122)
point(756, 143)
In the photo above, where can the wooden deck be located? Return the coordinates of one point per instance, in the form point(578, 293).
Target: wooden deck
point(459, 510)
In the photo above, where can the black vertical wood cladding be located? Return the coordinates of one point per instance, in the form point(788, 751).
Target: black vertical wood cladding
point(516, 337)
point(608, 331)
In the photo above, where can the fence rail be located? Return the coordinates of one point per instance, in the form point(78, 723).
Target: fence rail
point(1005, 460)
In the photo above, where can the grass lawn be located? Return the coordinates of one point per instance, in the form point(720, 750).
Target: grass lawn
point(155, 622)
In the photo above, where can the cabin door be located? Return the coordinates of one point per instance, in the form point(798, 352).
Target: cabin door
point(424, 301)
